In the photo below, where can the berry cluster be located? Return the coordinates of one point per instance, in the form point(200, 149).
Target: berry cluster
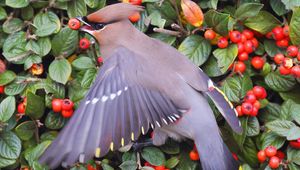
point(274, 157)
point(2, 89)
point(295, 143)
point(280, 35)
point(251, 104)
point(22, 107)
point(247, 44)
point(63, 106)
point(161, 167)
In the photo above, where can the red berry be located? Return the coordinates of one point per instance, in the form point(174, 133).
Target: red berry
point(210, 34)
point(74, 24)
point(67, 113)
point(261, 156)
point(259, 92)
point(269, 35)
point(2, 89)
point(251, 98)
point(243, 56)
point(239, 111)
point(84, 43)
point(255, 42)
point(57, 105)
point(280, 155)
point(148, 164)
point(240, 67)
point(295, 144)
point(286, 30)
point(247, 108)
point(161, 167)
point(100, 60)
point(235, 156)
point(298, 56)
point(135, 17)
point(90, 167)
point(67, 104)
point(240, 47)
point(248, 34)
point(292, 51)
point(295, 71)
point(270, 151)
point(248, 45)
point(257, 62)
point(282, 43)
point(278, 33)
point(243, 38)
point(135, 2)
point(21, 108)
point(194, 156)
point(256, 104)
point(288, 63)
point(222, 42)
point(278, 58)
point(284, 71)
point(274, 162)
point(235, 36)
point(249, 92)
point(254, 112)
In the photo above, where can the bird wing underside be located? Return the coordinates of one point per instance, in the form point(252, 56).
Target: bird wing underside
point(115, 111)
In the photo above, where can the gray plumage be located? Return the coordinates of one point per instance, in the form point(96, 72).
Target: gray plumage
point(142, 83)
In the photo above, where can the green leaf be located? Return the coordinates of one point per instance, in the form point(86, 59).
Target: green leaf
point(211, 68)
point(270, 113)
point(4, 162)
point(240, 138)
point(7, 77)
point(294, 133)
point(46, 24)
point(60, 70)
point(196, 48)
point(288, 110)
point(7, 108)
point(83, 63)
point(129, 156)
point(295, 26)
point(279, 82)
point(170, 147)
point(16, 87)
point(226, 56)
point(272, 139)
point(290, 4)
point(156, 19)
point(27, 13)
point(30, 60)
point(272, 49)
point(293, 94)
point(10, 145)
point(263, 22)
point(253, 126)
point(128, 165)
point(3, 13)
point(65, 42)
point(280, 127)
point(54, 121)
point(209, 4)
point(164, 37)
point(219, 22)
point(293, 155)
point(34, 153)
point(172, 162)
point(92, 3)
point(88, 78)
point(76, 8)
point(185, 163)
point(44, 46)
point(12, 25)
point(278, 7)
point(154, 156)
point(247, 10)
point(25, 130)
point(17, 3)
point(250, 152)
point(35, 106)
point(236, 87)
point(140, 25)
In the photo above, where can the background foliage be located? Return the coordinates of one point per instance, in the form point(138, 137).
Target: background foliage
point(35, 31)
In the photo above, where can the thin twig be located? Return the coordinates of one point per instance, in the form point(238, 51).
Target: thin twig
point(169, 32)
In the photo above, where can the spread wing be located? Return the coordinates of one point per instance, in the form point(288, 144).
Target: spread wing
point(116, 110)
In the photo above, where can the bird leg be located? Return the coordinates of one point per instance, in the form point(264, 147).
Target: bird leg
point(137, 146)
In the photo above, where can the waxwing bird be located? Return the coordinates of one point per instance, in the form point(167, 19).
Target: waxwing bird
point(143, 83)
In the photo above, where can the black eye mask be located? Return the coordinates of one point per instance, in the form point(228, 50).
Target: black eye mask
point(94, 25)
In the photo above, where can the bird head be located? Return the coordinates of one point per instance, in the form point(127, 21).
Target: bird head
point(109, 20)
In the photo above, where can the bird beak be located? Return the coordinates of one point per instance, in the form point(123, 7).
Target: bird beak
point(86, 27)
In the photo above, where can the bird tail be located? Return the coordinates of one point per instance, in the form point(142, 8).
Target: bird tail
point(225, 107)
point(214, 154)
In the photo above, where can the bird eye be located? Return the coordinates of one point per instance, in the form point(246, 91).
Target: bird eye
point(99, 26)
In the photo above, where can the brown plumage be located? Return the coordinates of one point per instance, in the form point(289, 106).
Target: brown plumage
point(143, 84)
